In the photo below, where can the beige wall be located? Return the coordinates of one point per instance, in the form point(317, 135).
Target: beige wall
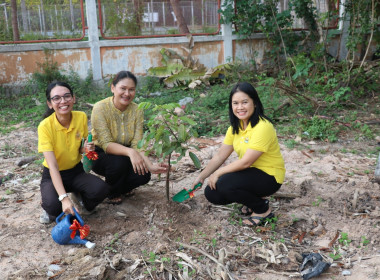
point(19, 62)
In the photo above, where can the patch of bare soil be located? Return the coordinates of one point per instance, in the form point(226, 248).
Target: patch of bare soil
point(329, 204)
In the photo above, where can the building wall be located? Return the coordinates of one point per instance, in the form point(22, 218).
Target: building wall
point(19, 62)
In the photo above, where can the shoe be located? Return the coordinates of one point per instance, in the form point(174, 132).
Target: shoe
point(262, 220)
point(79, 205)
point(44, 217)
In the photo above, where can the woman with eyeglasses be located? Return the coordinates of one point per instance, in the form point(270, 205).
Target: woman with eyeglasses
point(117, 127)
point(60, 137)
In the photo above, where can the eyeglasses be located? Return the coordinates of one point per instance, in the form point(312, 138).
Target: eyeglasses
point(57, 99)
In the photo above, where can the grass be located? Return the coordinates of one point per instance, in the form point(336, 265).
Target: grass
point(209, 107)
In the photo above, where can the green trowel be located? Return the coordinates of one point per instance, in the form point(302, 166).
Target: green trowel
point(185, 194)
point(89, 157)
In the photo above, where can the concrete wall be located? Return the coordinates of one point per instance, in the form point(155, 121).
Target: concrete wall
point(19, 62)
point(105, 57)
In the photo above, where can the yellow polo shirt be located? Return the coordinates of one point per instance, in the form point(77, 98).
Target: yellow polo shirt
point(65, 143)
point(110, 125)
point(261, 138)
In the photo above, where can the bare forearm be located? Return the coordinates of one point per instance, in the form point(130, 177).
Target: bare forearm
point(57, 180)
point(232, 167)
point(213, 165)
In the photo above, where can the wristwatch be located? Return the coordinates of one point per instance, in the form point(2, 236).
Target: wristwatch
point(62, 196)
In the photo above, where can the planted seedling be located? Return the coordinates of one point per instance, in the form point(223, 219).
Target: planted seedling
point(168, 133)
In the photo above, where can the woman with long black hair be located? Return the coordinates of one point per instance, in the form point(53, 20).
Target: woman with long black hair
point(260, 169)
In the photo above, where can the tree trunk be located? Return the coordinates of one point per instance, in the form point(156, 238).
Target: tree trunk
point(16, 34)
point(24, 15)
point(43, 17)
point(183, 29)
point(332, 9)
point(72, 15)
point(137, 15)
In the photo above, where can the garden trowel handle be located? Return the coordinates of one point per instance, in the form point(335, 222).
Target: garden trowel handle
point(197, 186)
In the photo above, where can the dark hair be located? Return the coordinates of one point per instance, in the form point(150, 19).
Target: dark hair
point(123, 75)
point(258, 113)
point(48, 91)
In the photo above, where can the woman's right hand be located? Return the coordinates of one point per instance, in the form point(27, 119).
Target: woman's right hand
point(138, 163)
point(67, 206)
point(197, 181)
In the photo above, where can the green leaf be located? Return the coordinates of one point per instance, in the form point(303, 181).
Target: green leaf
point(188, 120)
point(159, 132)
point(182, 133)
point(159, 150)
point(140, 144)
point(195, 147)
point(195, 160)
point(169, 150)
point(145, 105)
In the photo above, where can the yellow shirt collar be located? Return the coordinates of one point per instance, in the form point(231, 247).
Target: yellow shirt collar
point(58, 126)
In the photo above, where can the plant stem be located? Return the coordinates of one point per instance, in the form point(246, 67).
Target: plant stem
point(168, 177)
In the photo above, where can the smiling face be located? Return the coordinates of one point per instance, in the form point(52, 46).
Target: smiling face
point(61, 100)
point(242, 106)
point(123, 93)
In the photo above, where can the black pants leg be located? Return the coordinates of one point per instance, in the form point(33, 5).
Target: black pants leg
point(246, 187)
point(92, 189)
point(119, 174)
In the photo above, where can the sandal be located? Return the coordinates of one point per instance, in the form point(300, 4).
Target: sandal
point(131, 193)
point(114, 200)
point(262, 220)
point(245, 211)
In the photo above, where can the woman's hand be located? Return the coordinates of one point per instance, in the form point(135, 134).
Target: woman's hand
point(212, 180)
point(67, 206)
point(89, 146)
point(138, 162)
point(197, 181)
point(158, 168)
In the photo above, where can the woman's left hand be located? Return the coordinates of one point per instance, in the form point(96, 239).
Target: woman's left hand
point(158, 168)
point(212, 180)
point(138, 163)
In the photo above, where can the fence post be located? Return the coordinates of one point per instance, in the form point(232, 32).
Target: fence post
point(344, 24)
point(93, 39)
point(227, 40)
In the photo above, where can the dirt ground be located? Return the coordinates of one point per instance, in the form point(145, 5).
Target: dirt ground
point(329, 204)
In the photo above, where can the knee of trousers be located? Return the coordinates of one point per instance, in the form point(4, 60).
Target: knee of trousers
point(118, 166)
point(98, 192)
point(145, 178)
point(53, 208)
point(213, 196)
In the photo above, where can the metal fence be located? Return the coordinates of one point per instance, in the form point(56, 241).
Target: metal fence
point(44, 22)
point(121, 18)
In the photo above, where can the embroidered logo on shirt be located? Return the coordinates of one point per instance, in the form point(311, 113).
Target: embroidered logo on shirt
point(77, 136)
point(246, 140)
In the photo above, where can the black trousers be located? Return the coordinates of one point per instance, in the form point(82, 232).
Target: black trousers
point(92, 189)
point(119, 174)
point(247, 187)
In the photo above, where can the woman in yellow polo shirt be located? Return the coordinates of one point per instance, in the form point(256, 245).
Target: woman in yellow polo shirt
point(59, 139)
point(260, 169)
point(117, 127)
